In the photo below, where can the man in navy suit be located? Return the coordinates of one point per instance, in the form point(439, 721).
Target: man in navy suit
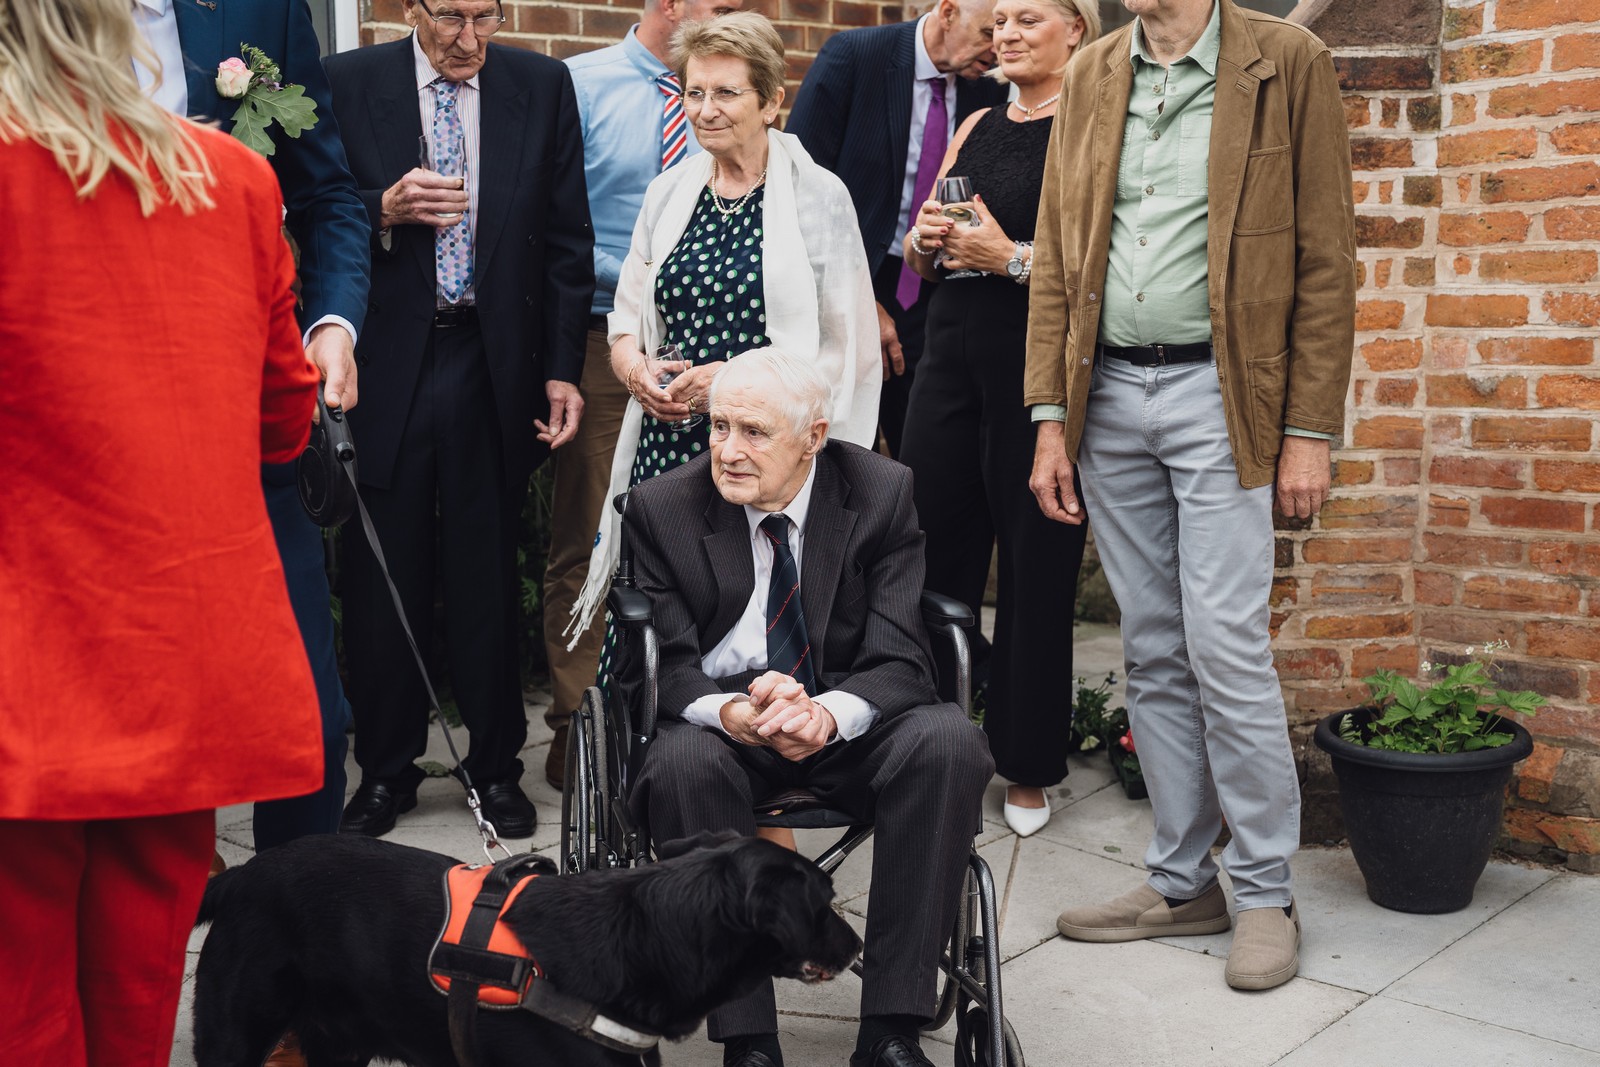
point(863, 112)
point(468, 159)
point(190, 39)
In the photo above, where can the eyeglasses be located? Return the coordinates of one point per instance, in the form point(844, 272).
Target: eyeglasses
point(452, 25)
point(726, 96)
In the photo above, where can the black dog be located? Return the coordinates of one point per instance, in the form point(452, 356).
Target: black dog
point(329, 937)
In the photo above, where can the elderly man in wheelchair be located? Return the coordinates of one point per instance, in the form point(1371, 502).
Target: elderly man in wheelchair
point(776, 584)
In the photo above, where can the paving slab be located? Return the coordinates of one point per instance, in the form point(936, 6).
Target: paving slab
point(1535, 967)
point(1105, 823)
point(1141, 1004)
point(1388, 1033)
point(1349, 941)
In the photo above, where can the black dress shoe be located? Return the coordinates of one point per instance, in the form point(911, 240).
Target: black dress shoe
point(753, 1059)
point(892, 1051)
point(374, 808)
point(508, 807)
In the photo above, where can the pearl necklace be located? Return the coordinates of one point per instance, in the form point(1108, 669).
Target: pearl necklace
point(731, 210)
point(1027, 112)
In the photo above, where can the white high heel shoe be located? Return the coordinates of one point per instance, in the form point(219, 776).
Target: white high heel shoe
point(1025, 822)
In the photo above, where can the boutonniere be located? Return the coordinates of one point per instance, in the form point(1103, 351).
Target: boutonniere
point(257, 83)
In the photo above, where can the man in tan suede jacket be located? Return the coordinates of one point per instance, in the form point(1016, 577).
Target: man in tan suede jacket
point(1189, 346)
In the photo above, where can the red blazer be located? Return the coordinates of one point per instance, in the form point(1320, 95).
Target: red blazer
point(149, 659)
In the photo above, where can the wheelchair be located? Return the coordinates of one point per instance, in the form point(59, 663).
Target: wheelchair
point(606, 747)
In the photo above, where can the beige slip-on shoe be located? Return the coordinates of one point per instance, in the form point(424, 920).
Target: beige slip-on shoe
point(1146, 913)
point(1266, 948)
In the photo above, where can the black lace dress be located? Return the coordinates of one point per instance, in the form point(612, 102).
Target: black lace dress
point(969, 440)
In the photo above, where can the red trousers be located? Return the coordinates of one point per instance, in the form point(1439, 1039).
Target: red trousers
point(94, 918)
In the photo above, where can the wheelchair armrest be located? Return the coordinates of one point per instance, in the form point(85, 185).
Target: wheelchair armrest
point(628, 606)
point(938, 610)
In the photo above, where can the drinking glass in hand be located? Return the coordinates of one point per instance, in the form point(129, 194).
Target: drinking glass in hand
point(955, 194)
point(425, 161)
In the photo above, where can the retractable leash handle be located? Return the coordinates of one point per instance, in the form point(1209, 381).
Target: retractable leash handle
point(334, 466)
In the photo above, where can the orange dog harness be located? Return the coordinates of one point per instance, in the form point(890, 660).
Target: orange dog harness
point(475, 944)
point(478, 962)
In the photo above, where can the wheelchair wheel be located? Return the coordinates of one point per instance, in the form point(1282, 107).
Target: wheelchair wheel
point(585, 802)
point(973, 1040)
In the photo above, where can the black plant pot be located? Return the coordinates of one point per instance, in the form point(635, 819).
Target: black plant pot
point(1132, 780)
point(1421, 826)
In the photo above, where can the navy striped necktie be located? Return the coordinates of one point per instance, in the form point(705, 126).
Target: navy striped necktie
point(788, 646)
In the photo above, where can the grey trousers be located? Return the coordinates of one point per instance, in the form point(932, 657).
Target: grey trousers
point(1188, 553)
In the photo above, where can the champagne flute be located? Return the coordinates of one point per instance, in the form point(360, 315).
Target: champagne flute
point(955, 198)
point(425, 161)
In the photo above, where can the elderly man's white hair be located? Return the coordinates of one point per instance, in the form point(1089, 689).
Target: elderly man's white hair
point(795, 387)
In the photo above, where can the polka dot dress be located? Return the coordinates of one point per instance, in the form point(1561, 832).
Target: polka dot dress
point(708, 292)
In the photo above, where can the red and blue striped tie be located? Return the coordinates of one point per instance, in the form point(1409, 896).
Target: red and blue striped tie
point(788, 647)
point(674, 130)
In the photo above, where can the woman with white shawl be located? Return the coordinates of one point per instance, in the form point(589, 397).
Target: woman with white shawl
point(746, 245)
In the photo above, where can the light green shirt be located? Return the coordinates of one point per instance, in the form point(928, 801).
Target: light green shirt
point(1156, 289)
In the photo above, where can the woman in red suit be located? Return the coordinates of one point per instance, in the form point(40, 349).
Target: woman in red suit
point(150, 668)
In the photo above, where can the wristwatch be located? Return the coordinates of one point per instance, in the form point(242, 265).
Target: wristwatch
point(1017, 266)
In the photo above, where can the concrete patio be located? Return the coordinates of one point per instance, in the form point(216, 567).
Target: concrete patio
point(1512, 980)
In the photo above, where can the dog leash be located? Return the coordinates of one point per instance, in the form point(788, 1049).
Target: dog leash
point(344, 450)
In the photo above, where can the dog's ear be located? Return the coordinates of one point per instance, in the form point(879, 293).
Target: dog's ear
point(782, 891)
point(683, 845)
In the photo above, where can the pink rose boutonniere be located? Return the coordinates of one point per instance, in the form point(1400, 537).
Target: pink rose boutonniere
point(254, 80)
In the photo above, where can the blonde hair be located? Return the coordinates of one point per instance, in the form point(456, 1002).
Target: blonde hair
point(743, 35)
point(67, 84)
point(1087, 10)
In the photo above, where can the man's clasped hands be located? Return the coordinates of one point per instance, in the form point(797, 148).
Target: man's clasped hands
point(780, 716)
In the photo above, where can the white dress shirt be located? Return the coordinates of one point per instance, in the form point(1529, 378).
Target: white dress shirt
point(921, 100)
point(468, 106)
point(744, 648)
point(159, 24)
point(157, 21)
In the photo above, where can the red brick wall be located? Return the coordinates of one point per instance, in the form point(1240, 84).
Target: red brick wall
point(568, 28)
point(1468, 494)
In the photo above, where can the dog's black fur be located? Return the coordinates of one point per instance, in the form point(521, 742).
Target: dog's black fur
point(329, 937)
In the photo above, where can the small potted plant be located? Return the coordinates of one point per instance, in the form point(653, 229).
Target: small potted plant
point(1422, 779)
point(1125, 761)
point(1091, 730)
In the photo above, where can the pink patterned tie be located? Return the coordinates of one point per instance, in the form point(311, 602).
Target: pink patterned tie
point(935, 139)
point(674, 130)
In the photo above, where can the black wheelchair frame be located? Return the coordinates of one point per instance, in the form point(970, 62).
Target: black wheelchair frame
point(606, 748)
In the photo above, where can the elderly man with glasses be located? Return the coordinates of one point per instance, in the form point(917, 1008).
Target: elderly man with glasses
point(469, 160)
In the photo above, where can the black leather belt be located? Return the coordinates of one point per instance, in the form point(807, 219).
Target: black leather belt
point(599, 323)
point(460, 315)
point(1158, 355)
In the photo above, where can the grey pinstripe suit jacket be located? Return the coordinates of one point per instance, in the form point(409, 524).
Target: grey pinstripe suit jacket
point(860, 582)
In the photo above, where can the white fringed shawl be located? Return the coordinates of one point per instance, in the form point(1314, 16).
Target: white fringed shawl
point(816, 290)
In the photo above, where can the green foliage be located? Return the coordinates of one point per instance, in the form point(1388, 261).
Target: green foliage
point(269, 100)
point(1461, 712)
point(1094, 722)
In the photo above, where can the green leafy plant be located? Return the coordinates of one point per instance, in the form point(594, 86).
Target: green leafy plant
point(1092, 714)
point(1461, 712)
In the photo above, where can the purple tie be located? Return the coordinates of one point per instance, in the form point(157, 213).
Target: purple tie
point(935, 138)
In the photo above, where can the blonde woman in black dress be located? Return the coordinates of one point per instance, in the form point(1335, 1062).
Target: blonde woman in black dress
point(968, 436)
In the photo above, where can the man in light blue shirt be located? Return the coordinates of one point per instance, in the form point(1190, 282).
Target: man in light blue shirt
point(633, 128)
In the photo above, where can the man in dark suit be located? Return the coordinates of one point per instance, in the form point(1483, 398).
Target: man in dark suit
point(329, 226)
point(785, 574)
point(876, 109)
point(482, 273)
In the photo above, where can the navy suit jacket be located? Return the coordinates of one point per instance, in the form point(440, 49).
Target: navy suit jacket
point(533, 257)
point(325, 215)
point(853, 114)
